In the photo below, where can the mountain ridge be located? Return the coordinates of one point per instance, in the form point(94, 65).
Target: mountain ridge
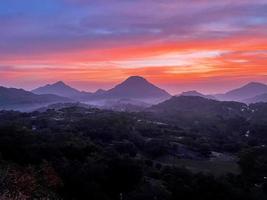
point(247, 91)
point(196, 93)
point(12, 98)
point(262, 98)
point(58, 88)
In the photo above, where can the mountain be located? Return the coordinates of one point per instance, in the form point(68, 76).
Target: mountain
point(136, 87)
point(246, 92)
point(257, 99)
point(196, 104)
point(193, 109)
point(17, 98)
point(197, 94)
point(59, 88)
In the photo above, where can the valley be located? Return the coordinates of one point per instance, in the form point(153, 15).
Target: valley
point(187, 138)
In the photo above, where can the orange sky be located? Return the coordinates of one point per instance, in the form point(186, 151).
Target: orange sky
point(217, 56)
point(176, 67)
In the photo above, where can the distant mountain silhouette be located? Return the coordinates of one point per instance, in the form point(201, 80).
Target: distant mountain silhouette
point(15, 98)
point(59, 88)
point(128, 105)
point(136, 87)
point(197, 94)
point(100, 92)
point(246, 92)
point(259, 98)
point(59, 106)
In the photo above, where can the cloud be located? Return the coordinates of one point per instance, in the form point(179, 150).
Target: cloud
point(53, 26)
point(165, 40)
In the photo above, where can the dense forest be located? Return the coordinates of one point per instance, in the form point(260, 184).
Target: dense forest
point(159, 154)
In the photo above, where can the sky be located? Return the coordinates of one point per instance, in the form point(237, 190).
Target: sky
point(206, 45)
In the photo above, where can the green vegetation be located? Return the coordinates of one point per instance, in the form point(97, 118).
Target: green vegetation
point(83, 153)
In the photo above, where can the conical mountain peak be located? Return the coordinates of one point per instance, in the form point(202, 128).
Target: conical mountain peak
point(58, 88)
point(137, 87)
point(136, 78)
point(59, 83)
point(255, 84)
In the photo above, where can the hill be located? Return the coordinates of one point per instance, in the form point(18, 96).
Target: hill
point(198, 110)
point(18, 98)
point(197, 94)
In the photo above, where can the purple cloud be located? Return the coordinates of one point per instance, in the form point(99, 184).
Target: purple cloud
point(37, 26)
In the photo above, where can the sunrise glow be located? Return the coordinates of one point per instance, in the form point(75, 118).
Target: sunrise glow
point(206, 45)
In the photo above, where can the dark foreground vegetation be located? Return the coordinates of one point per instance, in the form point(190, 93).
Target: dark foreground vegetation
point(82, 153)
